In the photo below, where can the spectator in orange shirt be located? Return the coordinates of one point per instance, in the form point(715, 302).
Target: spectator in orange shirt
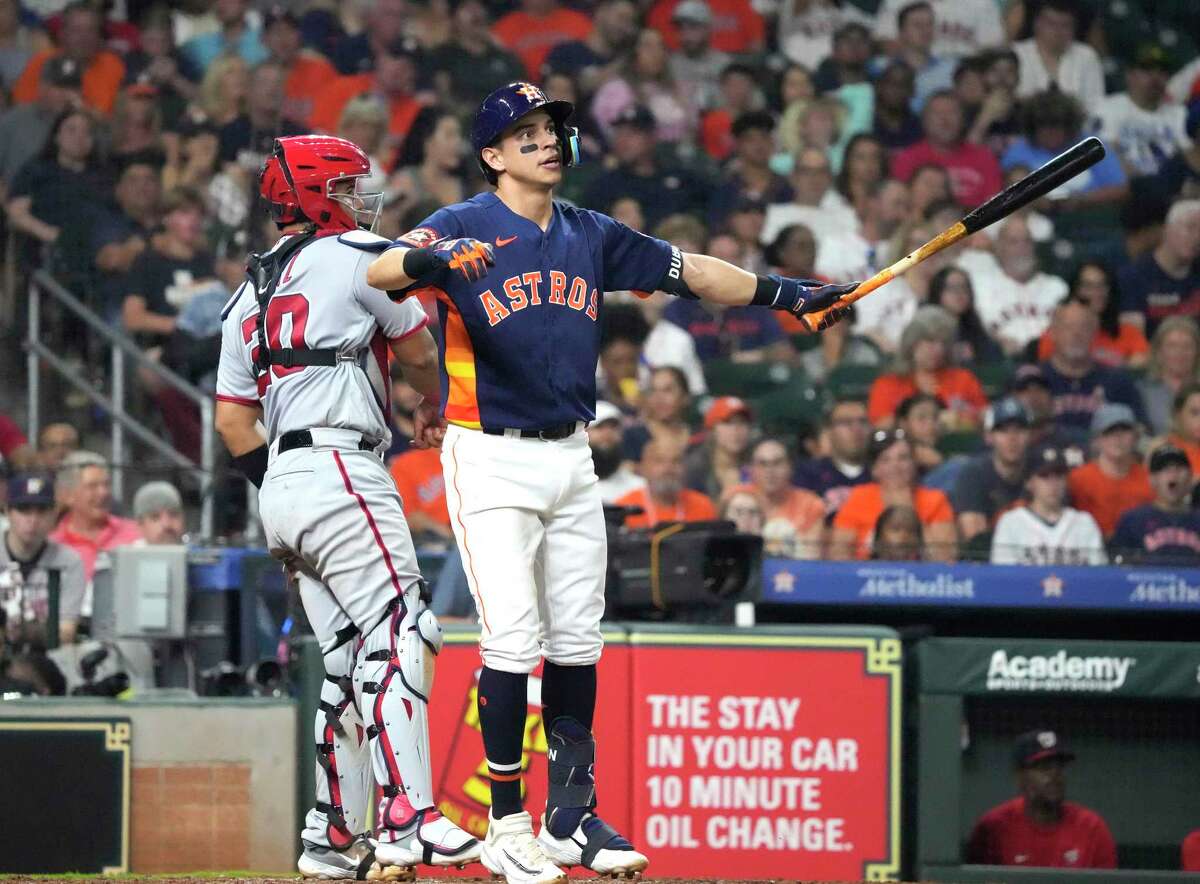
point(1116, 343)
point(393, 80)
point(537, 27)
point(418, 477)
point(1116, 480)
point(89, 526)
point(307, 72)
point(923, 363)
point(664, 499)
point(894, 470)
point(81, 38)
point(795, 517)
point(736, 26)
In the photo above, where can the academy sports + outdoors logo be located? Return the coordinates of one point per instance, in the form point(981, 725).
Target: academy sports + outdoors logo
point(1057, 672)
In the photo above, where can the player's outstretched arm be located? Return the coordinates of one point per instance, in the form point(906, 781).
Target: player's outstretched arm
point(711, 279)
point(402, 265)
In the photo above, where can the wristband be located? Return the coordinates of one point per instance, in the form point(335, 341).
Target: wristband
point(766, 293)
point(419, 263)
point(253, 464)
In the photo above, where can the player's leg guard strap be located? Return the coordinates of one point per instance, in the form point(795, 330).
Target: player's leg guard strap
point(393, 679)
point(600, 836)
point(571, 752)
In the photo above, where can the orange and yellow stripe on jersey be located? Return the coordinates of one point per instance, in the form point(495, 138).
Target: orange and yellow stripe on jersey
point(462, 404)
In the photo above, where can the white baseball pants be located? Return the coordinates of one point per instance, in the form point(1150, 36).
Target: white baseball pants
point(530, 527)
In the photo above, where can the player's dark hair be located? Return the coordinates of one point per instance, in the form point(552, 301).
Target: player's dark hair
point(909, 9)
point(1110, 316)
point(623, 322)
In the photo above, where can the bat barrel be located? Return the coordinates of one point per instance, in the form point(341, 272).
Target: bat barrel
point(1036, 184)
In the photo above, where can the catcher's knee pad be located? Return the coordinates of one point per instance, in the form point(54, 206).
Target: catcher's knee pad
point(343, 775)
point(393, 680)
point(571, 751)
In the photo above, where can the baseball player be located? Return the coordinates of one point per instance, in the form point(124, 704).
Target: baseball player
point(304, 348)
point(518, 280)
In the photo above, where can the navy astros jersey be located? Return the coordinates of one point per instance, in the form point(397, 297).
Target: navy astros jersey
point(1149, 534)
point(519, 346)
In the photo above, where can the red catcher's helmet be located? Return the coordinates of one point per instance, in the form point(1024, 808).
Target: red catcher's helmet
point(298, 180)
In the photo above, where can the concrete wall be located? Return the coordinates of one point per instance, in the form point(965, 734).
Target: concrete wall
point(213, 781)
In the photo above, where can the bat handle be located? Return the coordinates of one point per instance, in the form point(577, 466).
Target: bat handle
point(945, 239)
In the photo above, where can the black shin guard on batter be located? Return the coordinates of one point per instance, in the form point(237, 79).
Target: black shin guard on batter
point(503, 704)
point(572, 752)
point(568, 691)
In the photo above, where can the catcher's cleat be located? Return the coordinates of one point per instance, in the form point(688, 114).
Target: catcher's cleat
point(433, 841)
point(353, 863)
point(597, 846)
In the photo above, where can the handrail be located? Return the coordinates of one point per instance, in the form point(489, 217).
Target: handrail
point(122, 345)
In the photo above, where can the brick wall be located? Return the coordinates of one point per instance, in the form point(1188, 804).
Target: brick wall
point(187, 817)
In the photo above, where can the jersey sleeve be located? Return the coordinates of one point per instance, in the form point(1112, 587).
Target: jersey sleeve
point(443, 222)
point(632, 260)
point(396, 319)
point(236, 381)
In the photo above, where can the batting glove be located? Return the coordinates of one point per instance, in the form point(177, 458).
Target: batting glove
point(470, 257)
point(800, 296)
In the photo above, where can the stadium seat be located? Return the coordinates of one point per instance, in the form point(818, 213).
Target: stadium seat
point(993, 377)
point(746, 379)
point(852, 380)
point(967, 442)
point(785, 412)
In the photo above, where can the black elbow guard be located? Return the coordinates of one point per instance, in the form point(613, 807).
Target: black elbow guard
point(253, 465)
point(672, 282)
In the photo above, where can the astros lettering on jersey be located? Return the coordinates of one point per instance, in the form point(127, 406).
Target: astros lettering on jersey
point(519, 346)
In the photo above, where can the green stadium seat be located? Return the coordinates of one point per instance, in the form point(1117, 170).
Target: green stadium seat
point(966, 442)
point(852, 380)
point(785, 412)
point(993, 377)
point(746, 379)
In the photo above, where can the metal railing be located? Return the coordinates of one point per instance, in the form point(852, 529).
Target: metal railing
point(121, 347)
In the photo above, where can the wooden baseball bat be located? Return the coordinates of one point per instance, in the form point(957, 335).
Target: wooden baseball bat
point(1016, 196)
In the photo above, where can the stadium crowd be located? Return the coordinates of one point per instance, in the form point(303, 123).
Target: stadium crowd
point(1029, 396)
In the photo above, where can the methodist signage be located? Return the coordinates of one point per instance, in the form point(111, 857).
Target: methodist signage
point(787, 581)
point(761, 753)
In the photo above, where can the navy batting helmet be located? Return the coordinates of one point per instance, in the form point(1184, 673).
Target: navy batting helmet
point(507, 105)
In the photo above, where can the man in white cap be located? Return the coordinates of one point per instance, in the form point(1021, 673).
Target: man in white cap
point(695, 65)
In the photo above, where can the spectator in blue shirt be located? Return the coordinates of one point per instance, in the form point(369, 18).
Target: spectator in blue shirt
point(743, 334)
point(1166, 531)
point(1053, 121)
point(914, 46)
point(1165, 282)
point(235, 36)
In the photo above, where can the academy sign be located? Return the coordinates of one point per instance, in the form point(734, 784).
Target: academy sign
point(1057, 672)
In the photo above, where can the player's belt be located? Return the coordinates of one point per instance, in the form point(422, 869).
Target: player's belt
point(304, 439)
point(548, 434)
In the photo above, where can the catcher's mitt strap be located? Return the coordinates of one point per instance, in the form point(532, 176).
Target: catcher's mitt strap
point(364, 240)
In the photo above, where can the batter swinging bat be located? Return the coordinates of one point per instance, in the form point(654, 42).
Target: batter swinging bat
point(1016, 196)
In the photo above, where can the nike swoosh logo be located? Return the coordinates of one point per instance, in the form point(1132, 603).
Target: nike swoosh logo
point(512, 859)
point(501, 242)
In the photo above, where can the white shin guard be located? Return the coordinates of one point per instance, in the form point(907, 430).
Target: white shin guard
point(343, 771)
point(392, 681)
